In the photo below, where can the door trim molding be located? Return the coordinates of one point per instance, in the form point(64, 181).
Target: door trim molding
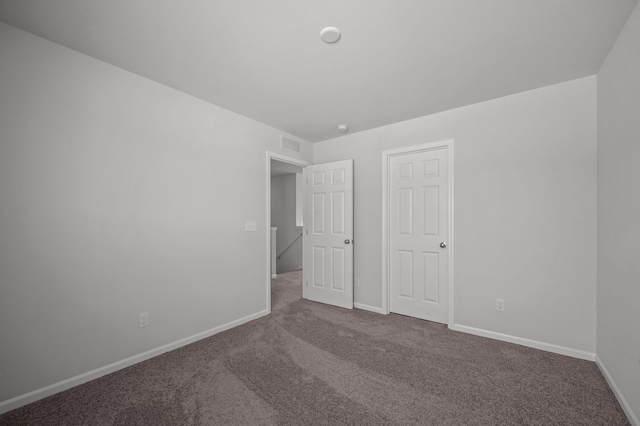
point(284, 159)
point(386, 158)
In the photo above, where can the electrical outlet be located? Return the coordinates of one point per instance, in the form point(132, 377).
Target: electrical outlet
point(143, 319)
point(250, 226)
point(357, 282)
point(499, 305)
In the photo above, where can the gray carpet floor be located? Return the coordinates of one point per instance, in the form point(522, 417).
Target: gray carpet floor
point(311, 364)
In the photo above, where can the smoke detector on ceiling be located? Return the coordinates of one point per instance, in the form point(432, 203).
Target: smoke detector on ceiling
point(330, 35)
point(343, 128)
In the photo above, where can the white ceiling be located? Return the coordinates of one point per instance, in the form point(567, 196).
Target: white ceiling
point(397, 59)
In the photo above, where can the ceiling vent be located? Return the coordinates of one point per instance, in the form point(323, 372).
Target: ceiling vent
point(290, 144)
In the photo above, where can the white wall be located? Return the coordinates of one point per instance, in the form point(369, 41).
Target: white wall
point(118, 196)
point(619, 214)
point(525, 209)
point(283, 216)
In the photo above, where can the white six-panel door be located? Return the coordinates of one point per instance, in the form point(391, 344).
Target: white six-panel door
point(328, 233)
point(418, 230)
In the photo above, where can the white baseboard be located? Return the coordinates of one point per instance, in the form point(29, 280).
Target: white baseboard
point(633, 419)
point(27, 398)
point(549, 347)
point(274, 276)
point(367, 308)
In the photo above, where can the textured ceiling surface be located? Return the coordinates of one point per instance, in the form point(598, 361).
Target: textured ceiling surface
point(396, 60)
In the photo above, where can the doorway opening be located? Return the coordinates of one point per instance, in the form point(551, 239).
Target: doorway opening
point(284, 213)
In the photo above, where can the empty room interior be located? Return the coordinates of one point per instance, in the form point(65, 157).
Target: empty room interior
point(454, 186)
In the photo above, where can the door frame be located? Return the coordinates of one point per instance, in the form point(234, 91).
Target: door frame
point(284, 159)
point(386, 159)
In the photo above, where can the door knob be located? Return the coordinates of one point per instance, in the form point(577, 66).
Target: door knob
point(347, 241)
point(443, 245)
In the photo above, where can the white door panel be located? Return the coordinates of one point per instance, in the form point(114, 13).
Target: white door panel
point(328, 233)
point(418, 224)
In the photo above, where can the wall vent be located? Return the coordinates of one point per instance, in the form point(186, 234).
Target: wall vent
point(290, 144)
